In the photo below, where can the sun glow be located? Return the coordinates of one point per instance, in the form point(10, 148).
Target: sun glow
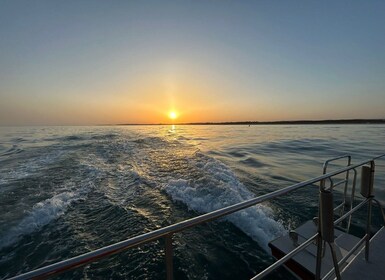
point(172, 115)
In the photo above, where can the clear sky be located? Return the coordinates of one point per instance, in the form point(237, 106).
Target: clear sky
point(102, 62)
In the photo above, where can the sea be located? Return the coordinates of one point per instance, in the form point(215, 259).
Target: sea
point(67, 190)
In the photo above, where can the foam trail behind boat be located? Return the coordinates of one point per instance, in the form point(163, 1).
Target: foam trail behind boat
point(41, 214)
point(218, 188)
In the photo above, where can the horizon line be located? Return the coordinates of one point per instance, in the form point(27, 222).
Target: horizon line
point(324, 121)
point(282, 122)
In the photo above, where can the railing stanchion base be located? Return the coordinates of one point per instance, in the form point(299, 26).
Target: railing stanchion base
point(169, 257)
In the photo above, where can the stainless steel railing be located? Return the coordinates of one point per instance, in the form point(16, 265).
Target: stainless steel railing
point(167, 233)
point(346, 201)
point(366, 192)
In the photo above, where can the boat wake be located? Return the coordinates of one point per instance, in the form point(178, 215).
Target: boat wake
point(219, 187)
point(205, 184)
point(41, 214)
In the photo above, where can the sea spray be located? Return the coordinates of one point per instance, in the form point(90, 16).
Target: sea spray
point(219, 187)
point(41, 214)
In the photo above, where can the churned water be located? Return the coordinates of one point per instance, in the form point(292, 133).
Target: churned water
point(68, 190)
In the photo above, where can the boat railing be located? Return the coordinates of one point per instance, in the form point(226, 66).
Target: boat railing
point(325, 220)
point(168, 231)
point(346, 201)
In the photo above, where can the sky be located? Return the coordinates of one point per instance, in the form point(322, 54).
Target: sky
point(110, 62)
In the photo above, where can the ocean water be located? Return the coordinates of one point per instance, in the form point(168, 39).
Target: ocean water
point(67, 190)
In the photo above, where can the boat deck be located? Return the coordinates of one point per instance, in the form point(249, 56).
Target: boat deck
point(304, 263)
point(375, 267)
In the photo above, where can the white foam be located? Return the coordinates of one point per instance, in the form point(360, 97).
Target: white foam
point(42, 214)
point(219, 188)
point(30, 166)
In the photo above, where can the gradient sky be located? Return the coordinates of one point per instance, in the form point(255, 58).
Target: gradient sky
point(102, 62)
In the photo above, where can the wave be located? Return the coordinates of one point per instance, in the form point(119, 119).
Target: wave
point(218, 188)
point(303, 146)
point(73, 138)
point(252, 162)
point(42, 214)
point(15, 149)
point(30, 166)
point(203, 184)
point(108, 136)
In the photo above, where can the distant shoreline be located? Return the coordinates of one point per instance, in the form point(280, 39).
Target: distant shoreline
point(249, 123)
point(298, 122)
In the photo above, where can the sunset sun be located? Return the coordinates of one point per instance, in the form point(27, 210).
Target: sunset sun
point(172, 115)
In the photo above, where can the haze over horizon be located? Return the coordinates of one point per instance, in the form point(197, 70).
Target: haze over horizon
point(109, 62)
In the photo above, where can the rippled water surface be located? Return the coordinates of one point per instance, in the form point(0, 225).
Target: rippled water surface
point(68, 190)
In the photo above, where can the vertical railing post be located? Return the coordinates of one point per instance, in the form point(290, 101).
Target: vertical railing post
point(352, 198)
point(367, 180)
point(369, 218)
point(169, 257)
point(319, 238)
point(368, 226)
point(346, 190)
point(327, 225)
point(319, 256)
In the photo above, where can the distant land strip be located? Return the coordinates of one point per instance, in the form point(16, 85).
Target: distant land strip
point(343, 121)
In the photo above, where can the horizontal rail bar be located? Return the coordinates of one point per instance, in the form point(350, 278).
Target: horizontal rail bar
point(339, 206)
point(115, 248)
point(345, 258)
point(337, 158)
point(347, 214)
point(339, 183)
point(285, 258)
point(334, 159)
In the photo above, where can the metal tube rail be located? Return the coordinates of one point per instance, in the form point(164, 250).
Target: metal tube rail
point(344, 259)
point(339, 183)
point(381, 209)
point(281, 261)
point(340, 219)
point(334, 159)
point(364, 239)
point(115, 248)
point(338, 207)
point(351, 202)
point(168, 252)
